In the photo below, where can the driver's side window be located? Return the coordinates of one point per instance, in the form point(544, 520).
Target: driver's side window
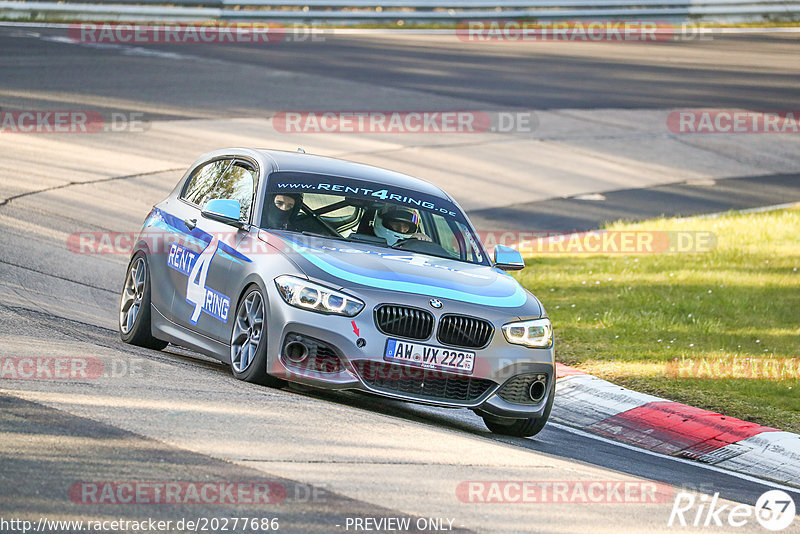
point(226, 179)
point(201, 186)
point(237, 183)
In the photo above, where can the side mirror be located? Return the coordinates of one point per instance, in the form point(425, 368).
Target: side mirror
point(508, 259)
point(223, 210)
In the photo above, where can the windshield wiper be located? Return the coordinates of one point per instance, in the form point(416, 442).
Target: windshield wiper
point(326, 236)
point(356, 238)
point(377, 241)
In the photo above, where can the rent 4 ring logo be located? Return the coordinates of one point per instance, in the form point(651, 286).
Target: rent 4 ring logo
point(181, 259)
point(774, 510)
point(196, 266)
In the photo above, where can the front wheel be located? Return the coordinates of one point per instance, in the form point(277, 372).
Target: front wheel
point(522, 428)
point(249, 341)
point(134, 306)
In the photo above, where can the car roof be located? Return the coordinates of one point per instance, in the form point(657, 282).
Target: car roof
point(301, 162)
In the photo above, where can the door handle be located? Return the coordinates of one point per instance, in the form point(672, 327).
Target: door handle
point(190, 223)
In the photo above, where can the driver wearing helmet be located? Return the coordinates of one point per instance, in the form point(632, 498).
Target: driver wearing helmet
point(282, 209)
point(398, 223)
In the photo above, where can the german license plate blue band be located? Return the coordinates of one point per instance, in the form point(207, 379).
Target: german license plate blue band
point(429, 356)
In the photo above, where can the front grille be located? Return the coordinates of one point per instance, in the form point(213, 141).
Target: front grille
point(423, 384)
point(463, 331)
point(403, 321)
point(516, 389)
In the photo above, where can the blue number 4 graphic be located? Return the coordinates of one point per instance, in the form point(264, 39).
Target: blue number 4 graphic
point(196, 284)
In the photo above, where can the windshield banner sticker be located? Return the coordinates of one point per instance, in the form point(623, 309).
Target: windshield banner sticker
point(312, 183)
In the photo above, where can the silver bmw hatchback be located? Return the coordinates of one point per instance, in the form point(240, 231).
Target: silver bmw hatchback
point(317, 271)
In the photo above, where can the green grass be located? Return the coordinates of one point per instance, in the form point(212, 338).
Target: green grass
point(625, 317)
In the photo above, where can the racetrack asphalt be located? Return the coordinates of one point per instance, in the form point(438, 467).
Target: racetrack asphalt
point(588, 212)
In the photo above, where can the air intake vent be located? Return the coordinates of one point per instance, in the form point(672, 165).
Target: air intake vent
point(309, 354)
point(423, 384)
point(524, 389)
point(463, 331)
point(403, 321)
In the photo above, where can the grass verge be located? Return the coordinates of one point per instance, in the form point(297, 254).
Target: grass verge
point(719, 329)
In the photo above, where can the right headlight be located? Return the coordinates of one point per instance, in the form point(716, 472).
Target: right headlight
point(537, 333)
point(315, 297)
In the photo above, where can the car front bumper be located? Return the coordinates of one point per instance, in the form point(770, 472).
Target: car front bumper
point(359, 346)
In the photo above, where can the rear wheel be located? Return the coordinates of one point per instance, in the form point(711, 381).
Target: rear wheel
point(134, 306)
point(522, 428)
point(249, 341)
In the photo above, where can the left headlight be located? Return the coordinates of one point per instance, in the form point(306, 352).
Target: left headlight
point(315, 297)
point(536, 333)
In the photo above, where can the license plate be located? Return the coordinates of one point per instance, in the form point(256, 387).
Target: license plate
point(429, 356)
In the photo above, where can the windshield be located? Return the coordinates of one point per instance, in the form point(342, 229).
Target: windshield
point(360, 211)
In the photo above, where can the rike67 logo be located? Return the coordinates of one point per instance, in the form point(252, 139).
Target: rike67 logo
point(774, 510)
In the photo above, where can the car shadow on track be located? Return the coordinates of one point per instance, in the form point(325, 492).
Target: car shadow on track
point(452, 418)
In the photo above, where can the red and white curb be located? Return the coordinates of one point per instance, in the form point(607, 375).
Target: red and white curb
point(597, 406)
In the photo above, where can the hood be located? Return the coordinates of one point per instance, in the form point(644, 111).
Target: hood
point(353, 265)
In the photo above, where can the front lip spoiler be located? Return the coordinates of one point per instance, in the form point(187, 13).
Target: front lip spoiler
point(430, 402)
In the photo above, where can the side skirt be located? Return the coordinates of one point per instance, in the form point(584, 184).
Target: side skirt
point(165, 329)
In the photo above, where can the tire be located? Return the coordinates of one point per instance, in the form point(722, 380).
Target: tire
point(134, 306)
point(249, 340)
point(523, 428)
